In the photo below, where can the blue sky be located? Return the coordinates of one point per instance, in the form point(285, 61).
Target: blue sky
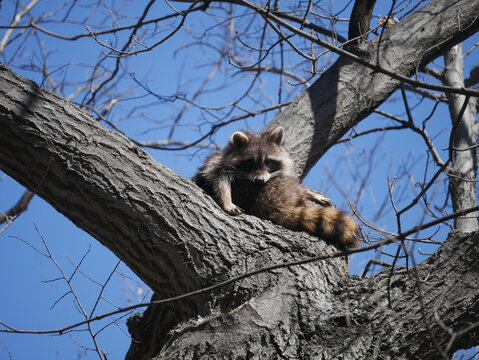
point(31, 299)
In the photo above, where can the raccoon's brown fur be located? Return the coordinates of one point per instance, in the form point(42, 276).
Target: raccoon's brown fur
point(253, 174)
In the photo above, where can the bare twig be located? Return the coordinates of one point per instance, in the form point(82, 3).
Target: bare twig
point(17, 209)
point(18, 17)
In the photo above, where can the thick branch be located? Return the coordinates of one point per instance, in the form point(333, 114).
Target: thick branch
point(161, 225)
point(176, 239)
point(348, 92)
point(446, 290)
point(349, 317)
point(473, 78)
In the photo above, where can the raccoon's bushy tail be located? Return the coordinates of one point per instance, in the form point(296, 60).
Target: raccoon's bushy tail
point(329, 224)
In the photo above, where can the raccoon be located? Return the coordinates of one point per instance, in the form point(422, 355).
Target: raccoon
point(254, 174)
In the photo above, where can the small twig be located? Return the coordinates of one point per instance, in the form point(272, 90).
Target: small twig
point(376, 262)
point(17, 209)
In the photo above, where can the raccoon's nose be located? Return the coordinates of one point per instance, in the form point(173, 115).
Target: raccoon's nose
point(261, 179)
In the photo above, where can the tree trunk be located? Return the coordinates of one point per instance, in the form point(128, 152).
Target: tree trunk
point(177, 240)
point(462, 184)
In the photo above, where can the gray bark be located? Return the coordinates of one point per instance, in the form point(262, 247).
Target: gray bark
point(360, 20)
point(177, 240)
point(462, 185)
point(171, 234)
point(315, 314)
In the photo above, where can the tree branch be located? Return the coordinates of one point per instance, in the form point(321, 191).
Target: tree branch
point(360, 19)
point(359, 314)
point(171, 234)
point(18, 208)
point(324, 112)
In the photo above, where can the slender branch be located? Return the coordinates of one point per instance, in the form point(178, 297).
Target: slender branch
point(18, 208)
point(35, 26)
point(360, 19)
point(18, 17)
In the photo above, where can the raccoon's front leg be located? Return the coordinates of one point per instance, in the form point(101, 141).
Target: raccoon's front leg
point(223, 195)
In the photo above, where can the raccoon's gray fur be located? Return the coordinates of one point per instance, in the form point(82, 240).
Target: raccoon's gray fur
point(253, 174)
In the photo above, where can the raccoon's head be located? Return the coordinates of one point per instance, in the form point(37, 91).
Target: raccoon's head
point(258, 157)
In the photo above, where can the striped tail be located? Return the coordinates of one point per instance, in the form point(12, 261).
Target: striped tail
point(329, 224)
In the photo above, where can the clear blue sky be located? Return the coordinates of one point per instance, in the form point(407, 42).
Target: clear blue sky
point(31, 301)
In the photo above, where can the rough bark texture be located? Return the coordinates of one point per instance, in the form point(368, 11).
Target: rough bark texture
point(462, 184)
point(318, 315)
point(161, 225)
point(348, 92)
point(177, 240)
point(360, 19)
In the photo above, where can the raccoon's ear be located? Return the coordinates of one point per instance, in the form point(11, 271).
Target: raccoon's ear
point(239, 138)
point(277, 135)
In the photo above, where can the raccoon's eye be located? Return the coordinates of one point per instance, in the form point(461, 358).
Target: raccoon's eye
point(272, 165)
point(246, 165)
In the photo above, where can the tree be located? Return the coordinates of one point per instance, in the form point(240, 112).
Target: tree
point(177, 240)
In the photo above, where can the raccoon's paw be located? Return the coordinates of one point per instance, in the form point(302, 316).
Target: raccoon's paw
point(319, 198)
point(232, 209)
